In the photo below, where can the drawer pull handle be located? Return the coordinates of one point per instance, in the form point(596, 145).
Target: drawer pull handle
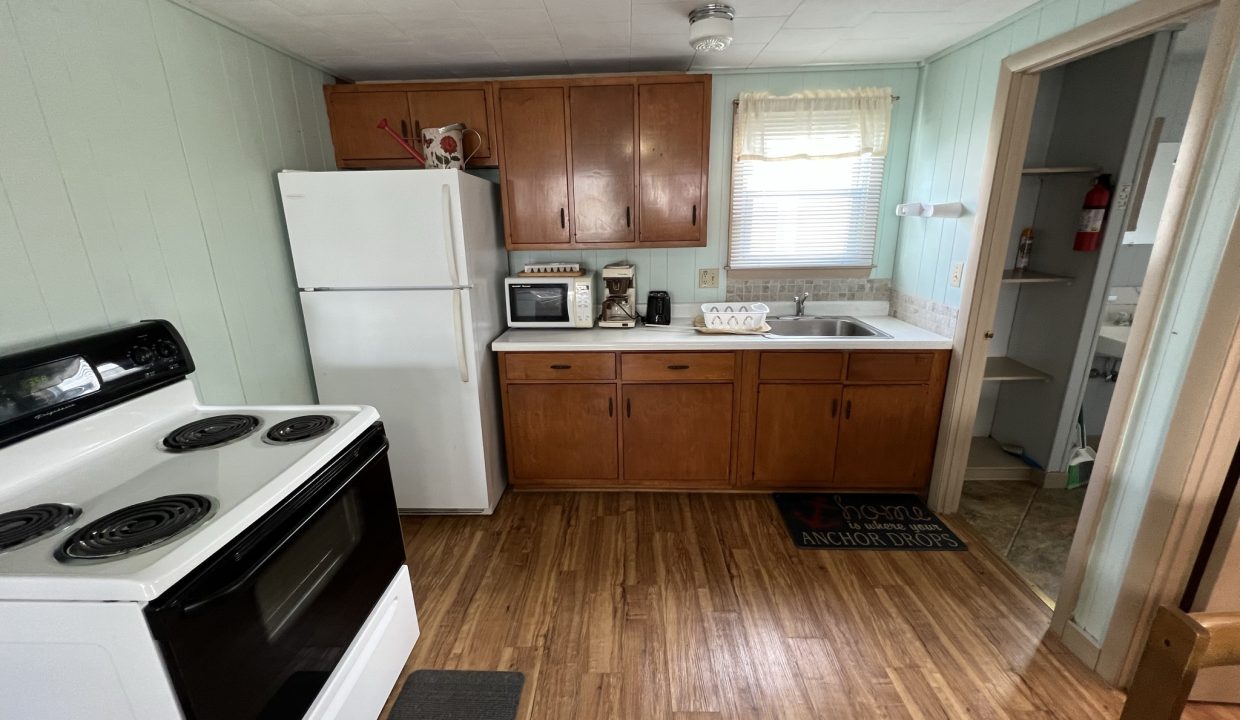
point(562, 218)
point(835, 406)
point(628, 216)
point(561, 367)
point(611, 406)
point(848, 410)
point(628, 407)
point(677, 367)
point(694, 221)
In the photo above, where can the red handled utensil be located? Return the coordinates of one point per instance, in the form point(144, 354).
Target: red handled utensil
point(383, 125)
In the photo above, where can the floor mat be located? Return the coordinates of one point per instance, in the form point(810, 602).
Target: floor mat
point(459, 695)
point(864, 521)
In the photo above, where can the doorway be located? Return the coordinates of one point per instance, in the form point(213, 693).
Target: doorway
point(1111, 123)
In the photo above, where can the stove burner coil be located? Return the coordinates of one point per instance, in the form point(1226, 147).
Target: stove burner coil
point(210, 432)
point(26, 525)
point(300, 428)
point(136, 528)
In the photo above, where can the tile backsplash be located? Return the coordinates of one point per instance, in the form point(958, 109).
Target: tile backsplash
point(847, 289)
point(924, 313)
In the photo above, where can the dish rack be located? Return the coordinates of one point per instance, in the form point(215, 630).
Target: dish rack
point(734, 315)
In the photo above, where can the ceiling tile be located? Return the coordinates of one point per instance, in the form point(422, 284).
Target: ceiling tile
point(325, 7)
point(829, 14)
point(654, 44)
point(513, 24)
point(760, 8)
point(365, 28)
point(579, 35)
point(659, 19)
point(811, 41)
point(488, 5)
point(885, 26)
point(755, 29)
point(917, 5)
point(600, 10)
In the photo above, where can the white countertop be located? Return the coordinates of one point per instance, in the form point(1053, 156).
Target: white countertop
point(680, 335)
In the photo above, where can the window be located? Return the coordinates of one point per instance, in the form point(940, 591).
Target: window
point(807, 174)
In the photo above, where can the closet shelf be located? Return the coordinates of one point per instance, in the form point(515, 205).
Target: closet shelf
point(1005, 368)
point(1061, 170)
point(1032, 276)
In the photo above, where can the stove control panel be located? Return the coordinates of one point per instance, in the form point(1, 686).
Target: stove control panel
point(47, 386)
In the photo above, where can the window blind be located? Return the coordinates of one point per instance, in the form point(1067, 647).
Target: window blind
point(807, 176)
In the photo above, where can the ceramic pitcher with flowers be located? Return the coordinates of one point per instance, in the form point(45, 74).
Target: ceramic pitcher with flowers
point(444, 146)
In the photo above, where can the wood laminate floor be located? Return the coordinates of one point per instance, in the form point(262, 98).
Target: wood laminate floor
point(697, 606)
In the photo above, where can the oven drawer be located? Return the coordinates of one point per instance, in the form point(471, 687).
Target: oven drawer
point(560, 366)
point(677, 366)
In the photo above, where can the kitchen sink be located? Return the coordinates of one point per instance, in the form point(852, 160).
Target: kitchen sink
point(822, 326)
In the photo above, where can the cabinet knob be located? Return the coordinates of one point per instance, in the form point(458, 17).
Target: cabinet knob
point(989, 335)
point(561, 367)
point(677, 367)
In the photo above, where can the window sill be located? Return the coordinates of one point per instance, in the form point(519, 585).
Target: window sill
point(792, 273)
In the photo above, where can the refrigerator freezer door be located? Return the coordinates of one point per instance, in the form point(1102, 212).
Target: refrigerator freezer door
point(375, 229)
point(406, 353)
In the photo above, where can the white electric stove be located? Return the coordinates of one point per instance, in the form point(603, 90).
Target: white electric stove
point(189, 560)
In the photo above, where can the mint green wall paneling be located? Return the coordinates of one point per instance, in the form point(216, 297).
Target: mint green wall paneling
point(1056, 18)
point(1087, 10)
point(41, 209)
point(139, 168)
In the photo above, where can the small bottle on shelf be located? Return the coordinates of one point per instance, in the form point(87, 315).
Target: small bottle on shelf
point(1023, 249)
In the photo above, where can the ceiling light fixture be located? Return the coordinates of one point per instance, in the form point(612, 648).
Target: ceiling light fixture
point(710, 27)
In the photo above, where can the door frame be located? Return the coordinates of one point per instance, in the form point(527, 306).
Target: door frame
point(1206, 422)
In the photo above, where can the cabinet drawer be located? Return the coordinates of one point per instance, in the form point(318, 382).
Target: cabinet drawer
point(801, 366)
point(560, 366)
point(890, 366)
point(678, 366)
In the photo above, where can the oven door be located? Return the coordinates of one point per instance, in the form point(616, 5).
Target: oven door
point(539, 304)
point(256, 630)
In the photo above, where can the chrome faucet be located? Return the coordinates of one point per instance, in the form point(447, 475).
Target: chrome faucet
point(800, 301)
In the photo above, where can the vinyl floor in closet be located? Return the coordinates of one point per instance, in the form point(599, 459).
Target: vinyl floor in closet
point(697, 606)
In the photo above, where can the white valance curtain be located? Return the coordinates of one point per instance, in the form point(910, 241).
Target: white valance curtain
point(812, 125)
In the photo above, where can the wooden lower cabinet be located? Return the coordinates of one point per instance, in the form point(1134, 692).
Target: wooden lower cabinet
point(886, 436)
point(792, 420)
point(795, 435)
point(678, 433)
point(562, 432)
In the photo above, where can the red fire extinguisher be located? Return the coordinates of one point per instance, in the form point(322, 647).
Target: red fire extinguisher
point(1094, 212)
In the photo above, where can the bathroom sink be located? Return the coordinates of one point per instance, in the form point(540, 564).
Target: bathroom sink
point(819, 326)
point(1113, 339)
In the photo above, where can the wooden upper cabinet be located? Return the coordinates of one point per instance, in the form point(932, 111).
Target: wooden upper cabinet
point(354, 112)
point(436, 108)
point(673, 126)
point(534, 165)
point(355, 120)
point(635, 153)
point(602, 138)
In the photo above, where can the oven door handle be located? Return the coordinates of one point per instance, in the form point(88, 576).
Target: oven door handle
point(245, 578)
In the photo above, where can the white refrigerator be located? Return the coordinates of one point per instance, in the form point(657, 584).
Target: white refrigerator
point(400, 275)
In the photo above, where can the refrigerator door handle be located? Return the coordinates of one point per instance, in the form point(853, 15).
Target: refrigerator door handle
point(458, 330)
point(449, 235)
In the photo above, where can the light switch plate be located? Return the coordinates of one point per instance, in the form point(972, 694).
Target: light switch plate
point(708, 277)
point(957, 274)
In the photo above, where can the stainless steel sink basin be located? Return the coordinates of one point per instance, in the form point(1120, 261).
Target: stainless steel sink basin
point(820, 326)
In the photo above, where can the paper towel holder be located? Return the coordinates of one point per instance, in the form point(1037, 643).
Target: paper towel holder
point(938, 210)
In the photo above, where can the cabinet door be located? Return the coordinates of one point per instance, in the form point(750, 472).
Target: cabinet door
point(355, 117)
point(795, 439)
point(679, 433)
point(436, 108)
point(562, 432)
point(601, 122)
point(886, 436)
point(671, 176)
point(535, 166)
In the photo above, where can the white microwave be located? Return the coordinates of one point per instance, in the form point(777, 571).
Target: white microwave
point(550, 302)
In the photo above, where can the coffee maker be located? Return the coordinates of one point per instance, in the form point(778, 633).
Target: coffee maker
point(620, 296)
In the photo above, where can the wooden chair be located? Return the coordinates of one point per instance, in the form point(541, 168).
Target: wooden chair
point(1179, 645)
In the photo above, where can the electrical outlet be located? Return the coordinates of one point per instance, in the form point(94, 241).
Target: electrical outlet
point(708, 277)
point(957, 274)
